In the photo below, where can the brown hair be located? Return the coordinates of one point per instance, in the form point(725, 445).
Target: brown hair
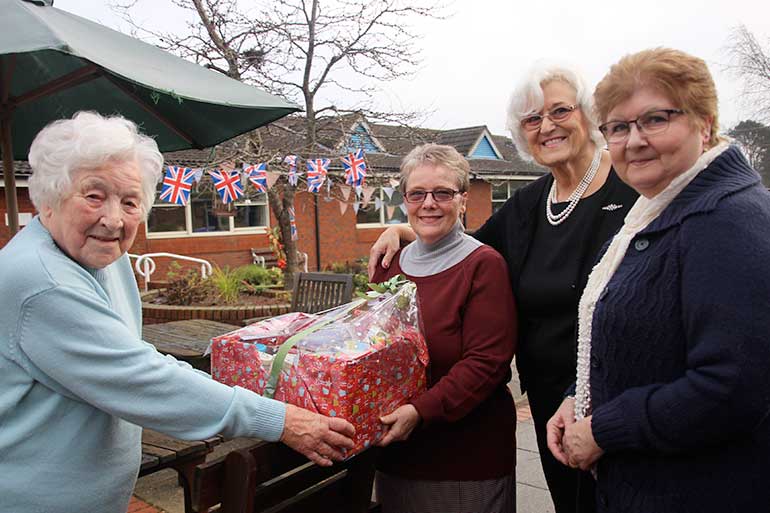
point(436, 155)
point(684, 79)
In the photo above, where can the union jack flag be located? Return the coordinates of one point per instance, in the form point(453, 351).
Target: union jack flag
point(355, 168)
point(257, 176)
point(316, 174)
point(177, 184)
point(291, 160)
point(228, 184)
point(293, 224)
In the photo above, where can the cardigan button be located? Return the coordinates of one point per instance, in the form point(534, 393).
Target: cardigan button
point(603, 499)
point(595, 362)
point(641, 244)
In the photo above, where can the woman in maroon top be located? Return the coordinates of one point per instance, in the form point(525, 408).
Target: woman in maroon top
point(453, 448)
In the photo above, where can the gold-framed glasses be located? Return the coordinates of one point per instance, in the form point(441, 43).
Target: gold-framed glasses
point(556, 115)
point(649, 123)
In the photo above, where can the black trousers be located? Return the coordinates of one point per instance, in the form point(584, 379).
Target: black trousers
point(572, 491)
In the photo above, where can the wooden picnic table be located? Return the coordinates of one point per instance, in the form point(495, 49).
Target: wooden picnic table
point(186, 340)
point(161, 452)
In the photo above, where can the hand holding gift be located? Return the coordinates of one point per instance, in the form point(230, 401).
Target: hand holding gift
point(360, 361)
point(321, 439)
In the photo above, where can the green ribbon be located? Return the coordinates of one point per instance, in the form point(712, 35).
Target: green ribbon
point(280, 356)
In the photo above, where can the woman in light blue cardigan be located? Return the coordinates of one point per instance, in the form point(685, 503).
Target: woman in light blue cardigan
point(76, 379)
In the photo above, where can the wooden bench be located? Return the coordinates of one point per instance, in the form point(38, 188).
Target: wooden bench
point(160, 452)
point(272, 477)
point(315, 292)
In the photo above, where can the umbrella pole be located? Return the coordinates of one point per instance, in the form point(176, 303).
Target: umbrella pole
point(11, 205)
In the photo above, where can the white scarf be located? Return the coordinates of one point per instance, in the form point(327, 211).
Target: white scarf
point(644, 211)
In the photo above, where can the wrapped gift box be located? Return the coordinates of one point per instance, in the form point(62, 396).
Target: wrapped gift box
point(358, 361)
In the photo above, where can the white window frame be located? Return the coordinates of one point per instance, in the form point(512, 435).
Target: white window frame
point(508, 182)
point(232, 230)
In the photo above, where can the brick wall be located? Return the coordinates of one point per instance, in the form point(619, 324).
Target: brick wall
point(25, 205)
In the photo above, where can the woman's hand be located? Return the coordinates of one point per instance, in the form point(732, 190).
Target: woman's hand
point(400, 424)
point(387, 244)
point(563, 418)
point(319, 438)
point(580, 446)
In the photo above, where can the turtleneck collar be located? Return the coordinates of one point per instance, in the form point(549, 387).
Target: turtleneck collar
point(422, 259)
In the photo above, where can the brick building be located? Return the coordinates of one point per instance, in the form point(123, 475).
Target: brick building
point(330, 230)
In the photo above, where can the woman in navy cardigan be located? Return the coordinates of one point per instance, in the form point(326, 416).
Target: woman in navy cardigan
point(672, 403)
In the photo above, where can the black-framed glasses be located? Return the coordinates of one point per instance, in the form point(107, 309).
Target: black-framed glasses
point(649, 123)
point(556, 115)
point(439, 195)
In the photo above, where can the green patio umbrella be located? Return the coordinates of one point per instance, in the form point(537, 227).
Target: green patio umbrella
point(53, 64)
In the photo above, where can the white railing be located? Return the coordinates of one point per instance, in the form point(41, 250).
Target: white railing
point(145, 265)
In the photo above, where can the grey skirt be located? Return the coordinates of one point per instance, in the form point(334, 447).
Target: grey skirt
point(398, 495)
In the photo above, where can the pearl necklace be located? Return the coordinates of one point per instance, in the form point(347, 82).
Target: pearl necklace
point(557, 219)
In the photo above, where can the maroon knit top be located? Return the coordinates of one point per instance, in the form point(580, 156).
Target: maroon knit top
point(468, 429)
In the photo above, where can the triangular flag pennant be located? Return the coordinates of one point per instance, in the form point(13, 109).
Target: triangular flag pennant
point(403, 208)
point(377, 203)
point(390, 209)
point(328, 186)
point(272, 178)
point(368, 191)
point(198, 174)
point(345, 190)
point(359, 191)
point(356, 206)
point(343, 207)
point(394, 182)
point(388, 191)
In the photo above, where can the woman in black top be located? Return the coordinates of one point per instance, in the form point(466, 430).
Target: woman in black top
point(550, 233)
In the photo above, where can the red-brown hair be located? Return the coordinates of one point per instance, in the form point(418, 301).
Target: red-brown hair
point(684, 79)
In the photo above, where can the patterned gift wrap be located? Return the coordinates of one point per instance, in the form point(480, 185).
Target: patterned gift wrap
point(359, 361)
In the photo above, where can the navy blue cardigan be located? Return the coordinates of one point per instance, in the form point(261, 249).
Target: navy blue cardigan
point(680, 357)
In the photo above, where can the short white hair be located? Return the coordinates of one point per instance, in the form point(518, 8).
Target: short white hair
point(88, 141)
point(527, 99)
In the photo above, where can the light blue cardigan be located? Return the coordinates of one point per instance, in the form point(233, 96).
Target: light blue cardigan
point(77, 381)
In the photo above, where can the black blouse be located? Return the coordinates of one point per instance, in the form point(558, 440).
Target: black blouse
point(549, 267)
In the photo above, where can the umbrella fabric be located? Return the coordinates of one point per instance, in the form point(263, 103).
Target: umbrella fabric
point(181, 104)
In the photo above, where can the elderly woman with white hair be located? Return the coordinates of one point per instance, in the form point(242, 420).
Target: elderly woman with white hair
point(550, 234)
point(76, 379)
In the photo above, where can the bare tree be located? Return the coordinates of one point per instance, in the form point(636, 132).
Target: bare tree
point(750, 61)
point(299, 49)
point(754, 140)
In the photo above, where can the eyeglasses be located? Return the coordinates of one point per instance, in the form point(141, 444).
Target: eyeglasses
point(556, 115)
point(653, 122)
point(439, 195)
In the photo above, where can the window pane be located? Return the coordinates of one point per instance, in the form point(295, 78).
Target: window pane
point(166, 218)
point(500, 192)
point(368, 214)
point(496, 205)
point(203, 218)
point(250, 215)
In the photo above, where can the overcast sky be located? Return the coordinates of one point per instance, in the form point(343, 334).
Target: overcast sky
point(472, 59)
